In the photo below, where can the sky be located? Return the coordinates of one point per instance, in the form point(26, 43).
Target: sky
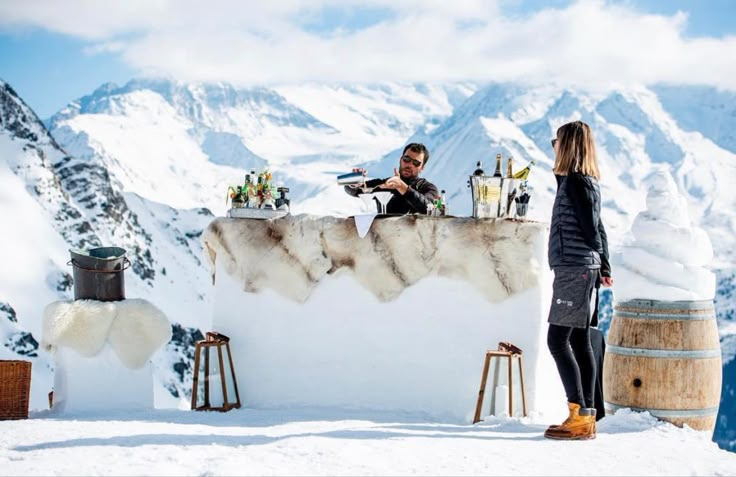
point(53, 52)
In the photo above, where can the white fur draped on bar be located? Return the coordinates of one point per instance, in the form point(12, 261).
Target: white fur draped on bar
point(291, 255)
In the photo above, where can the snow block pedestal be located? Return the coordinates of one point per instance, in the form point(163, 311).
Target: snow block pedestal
point(101, 353)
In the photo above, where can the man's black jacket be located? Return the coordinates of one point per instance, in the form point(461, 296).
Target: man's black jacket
point(421, 192)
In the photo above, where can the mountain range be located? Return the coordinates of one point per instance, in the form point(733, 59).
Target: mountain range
point(145, 166)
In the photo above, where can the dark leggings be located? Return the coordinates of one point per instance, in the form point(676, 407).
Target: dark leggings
point(573, 354)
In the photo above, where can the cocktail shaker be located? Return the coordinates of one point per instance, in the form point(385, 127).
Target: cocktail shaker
point(350, 178)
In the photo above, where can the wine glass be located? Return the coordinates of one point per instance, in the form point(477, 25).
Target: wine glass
point(383, 198)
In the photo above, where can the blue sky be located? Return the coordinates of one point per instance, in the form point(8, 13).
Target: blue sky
point(51, 62)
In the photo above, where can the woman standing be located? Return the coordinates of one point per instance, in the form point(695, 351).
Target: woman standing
point(578, 255)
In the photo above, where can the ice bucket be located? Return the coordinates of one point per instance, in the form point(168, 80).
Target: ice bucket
point(490, 196)
point(98, 273)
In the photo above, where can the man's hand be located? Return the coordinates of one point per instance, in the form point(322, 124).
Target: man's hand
point(359, 185)
point(395, 183)
point(607, 281)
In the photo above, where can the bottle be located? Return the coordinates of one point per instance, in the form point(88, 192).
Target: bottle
point(430, 208)
point(497, 172)
point(443, 204)
point(478, 169)
point(509, 168)
point(524, 173)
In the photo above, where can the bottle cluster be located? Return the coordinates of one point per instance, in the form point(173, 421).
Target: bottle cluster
point(258, 191)
point(495, 195)
point(438, 206)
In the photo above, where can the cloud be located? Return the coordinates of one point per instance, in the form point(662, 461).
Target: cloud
point(589, 42)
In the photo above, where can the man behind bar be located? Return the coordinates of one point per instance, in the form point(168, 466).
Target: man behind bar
point(411, 194)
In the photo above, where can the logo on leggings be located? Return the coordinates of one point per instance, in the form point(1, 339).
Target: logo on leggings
point(564, 302)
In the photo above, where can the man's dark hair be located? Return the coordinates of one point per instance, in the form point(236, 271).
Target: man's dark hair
point(418, 147)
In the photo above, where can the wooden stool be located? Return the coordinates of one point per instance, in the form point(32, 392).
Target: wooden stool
point(219, 341)
point(513, 354)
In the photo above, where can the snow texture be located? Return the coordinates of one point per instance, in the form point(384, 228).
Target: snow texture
point(668, 257)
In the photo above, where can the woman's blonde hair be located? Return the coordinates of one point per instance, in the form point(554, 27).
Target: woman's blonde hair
point(576, 150)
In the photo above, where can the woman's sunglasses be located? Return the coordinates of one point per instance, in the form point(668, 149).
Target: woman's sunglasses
point(408, 159)
point(554, 141)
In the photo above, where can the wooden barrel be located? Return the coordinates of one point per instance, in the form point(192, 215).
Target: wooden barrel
point(664, 357)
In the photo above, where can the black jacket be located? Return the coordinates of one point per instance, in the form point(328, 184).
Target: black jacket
point(421, 192)
point(577, 236)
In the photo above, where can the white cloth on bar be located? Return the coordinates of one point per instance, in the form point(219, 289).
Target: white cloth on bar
point(363, 223)
point(134, 328)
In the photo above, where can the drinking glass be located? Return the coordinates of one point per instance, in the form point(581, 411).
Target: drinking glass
point(367, 199)
point(383, 198)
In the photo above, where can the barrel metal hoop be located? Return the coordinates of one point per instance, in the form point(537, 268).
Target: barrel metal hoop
point(667, 413)
point(126, 265)
point(664, 353)
point(685, 306)
point(666, 316)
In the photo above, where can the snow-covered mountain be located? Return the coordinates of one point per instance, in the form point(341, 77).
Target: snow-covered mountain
point(141, 166)
point(53, 201)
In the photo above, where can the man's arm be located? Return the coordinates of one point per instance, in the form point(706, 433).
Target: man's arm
point(355, 191)
point(421, 197)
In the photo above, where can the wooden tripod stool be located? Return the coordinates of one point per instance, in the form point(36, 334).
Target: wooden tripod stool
point(218, 341)
point(513, 355)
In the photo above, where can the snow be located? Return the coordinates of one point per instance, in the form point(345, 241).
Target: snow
point(668, 257)
point(316, 441)
point(345, 348)
point(31, 257)
point(100, 383)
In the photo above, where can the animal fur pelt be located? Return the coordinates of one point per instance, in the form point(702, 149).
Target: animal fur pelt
point(134, 328)
point(292, 254)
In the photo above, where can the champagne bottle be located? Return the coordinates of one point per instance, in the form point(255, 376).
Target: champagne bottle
point(443, 202)
point(478, 169)
point(497, 172)
point(509, 168)
point(524, 173)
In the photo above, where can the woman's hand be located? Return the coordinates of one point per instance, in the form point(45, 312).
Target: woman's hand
point(607, 281)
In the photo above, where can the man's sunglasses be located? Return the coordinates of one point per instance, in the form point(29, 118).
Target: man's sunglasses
point(408, 159)
point(554, 141)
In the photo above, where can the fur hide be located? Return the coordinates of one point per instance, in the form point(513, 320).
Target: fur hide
point(292, 254)
point(82, 325)
point(134, 328)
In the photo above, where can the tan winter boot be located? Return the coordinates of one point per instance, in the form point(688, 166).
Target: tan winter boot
point(574, 410)
point(579, 410)
point(579, 425)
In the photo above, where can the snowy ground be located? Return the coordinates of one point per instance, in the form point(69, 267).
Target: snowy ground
point(333, 442)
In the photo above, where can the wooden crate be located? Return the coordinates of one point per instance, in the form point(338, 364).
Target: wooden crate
point(15, 389)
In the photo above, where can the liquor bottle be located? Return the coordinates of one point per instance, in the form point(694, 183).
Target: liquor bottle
point(437, 209)
point(443, 204)
point(510, 168)
point(497, 172)
point(478, 169)
point(524, 173)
